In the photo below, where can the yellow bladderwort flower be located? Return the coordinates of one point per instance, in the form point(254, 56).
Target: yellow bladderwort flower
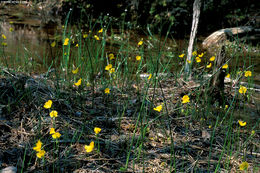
point(112, 70)
point(65, 53)
point(11, 22)
point(89, 147)
point(226, 106)
point(48, 104)
point(96, 37)
point(3, 36)
point(97, 130)
point(243, 166)
point(107, 91)
point(52, 131)
point(185, 99)
point(198, 60)
point(209, 65)
point(53, 44)
point(108, 67)
point(140, 43)
point(248, 73)
point(188, 61)
point(85, 35)
point(111, 56)
point(78, 83)
point(225, 66)
point(77, 45)
point(228, 75)
point(38, 146)
point(158, 108)
point(138, 58)
point(242, 89)
point(40, 154)
point(194, 53)
point(241, 123)
point(53, 114)
point(75, 71)
point(201, 55)
point(210, 126)
point(150, 76)
point(252, 132)
point(66, 41)
point(100, 31)
point(212, 58)
point(55, 135)
point(11, 29)
point(4, 44)
point(181, 55)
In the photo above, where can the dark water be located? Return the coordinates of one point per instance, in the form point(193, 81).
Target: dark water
point(30, 40)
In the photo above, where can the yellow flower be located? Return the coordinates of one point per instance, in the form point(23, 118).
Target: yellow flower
point(53, 44)
point(248, 73)
point(107, 91)
point(48, 104)
point(38, 146)
point(3, 36)
point(226, 106)
point(140, 43)
point(194, 53)
point(96, 37)
point(77, 45)
point(85, 35)
point(100, 31)
point(75, 71)
point(252, 132)
point(4, 44)
point(188, 61)
point(56, 135)
point(243, 166)
point(53, 114)
point(209, 65)
point(241, 123)
point(97, 130)
point(89, 147)
point(112, 70)
point(225, 66)
point(108, 67)
point(201, 55)
point(198, 60)
point(242, 89)
point(158, 108)
point(65, 53)
point(228, 75)
point(210, 126)
point(150, 76)
point(138, 58)
point(111, 56)
point(78, 83)
point(212, 58)
point(11, 29)
point(66, 41)
point(40, 154)
point(11, 22)
point(181, 55)
point(185, 99)
point(52, 131)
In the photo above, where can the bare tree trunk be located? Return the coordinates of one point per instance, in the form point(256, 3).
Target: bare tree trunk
point(195, 21)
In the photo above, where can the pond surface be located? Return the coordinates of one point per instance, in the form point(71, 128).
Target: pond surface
point(30, 40)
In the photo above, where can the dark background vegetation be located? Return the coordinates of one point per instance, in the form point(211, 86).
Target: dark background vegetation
point(215, 14)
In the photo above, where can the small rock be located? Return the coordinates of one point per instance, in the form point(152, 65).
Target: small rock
point(9, 169)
